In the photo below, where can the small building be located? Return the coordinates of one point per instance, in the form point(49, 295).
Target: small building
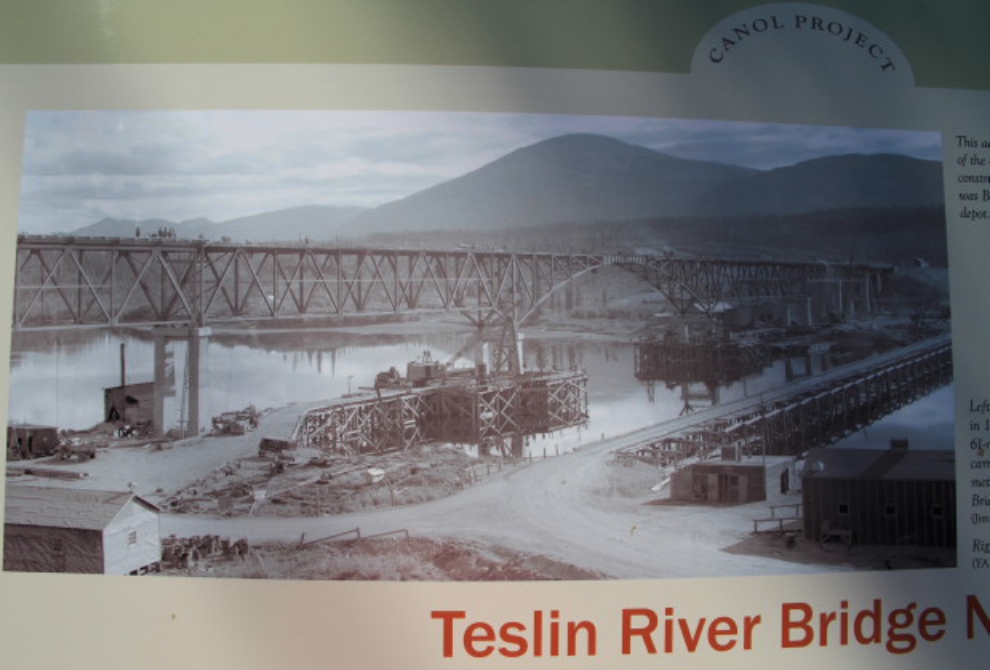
point(721, 482)
point(71, 530)
point(26, 441)
point(895, 496)
point(133, 404)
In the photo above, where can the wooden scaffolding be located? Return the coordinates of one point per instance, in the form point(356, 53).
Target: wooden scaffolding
point(495, 414)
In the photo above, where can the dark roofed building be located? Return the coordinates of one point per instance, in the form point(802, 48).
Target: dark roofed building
point(71, 530)
point(727, 482)
point(26, 441)
point(895, 497)
point(132, 404)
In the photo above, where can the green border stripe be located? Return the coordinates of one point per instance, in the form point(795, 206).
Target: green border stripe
point(945, 40)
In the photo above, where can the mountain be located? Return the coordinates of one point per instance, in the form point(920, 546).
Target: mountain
point(587, 178)
point(833, 182)
point(316, 222)
point(583, 178)
point(109, 227)
point(572, 178)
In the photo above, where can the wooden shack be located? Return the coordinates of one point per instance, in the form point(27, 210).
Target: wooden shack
point(69, 530)
point(895, 496)
point(25, 441)
point(720, 482)
point(133, 404)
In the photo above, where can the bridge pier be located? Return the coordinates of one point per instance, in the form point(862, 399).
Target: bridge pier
point(188, 383)
point(841, 298)
point(797, 312)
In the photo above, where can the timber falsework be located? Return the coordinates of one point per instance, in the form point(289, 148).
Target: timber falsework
point(496, 415)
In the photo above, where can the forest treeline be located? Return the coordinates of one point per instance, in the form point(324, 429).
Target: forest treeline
point(894, 235)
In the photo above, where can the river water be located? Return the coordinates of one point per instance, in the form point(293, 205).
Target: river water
point(58, 379)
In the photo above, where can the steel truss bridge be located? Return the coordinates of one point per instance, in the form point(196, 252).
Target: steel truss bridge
point(74, 282)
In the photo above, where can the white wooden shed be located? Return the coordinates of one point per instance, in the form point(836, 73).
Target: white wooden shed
point(49, 529)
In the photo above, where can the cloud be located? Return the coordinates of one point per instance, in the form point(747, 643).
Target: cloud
point(766, 146)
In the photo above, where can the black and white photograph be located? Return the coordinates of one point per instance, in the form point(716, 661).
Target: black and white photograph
point(466, 346)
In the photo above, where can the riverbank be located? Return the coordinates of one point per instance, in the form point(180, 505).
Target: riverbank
point(393, 558)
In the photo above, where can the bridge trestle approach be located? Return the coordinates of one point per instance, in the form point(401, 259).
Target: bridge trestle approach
point(496, 415)
point(70, 282)
point(820, 418)
point(815, 417)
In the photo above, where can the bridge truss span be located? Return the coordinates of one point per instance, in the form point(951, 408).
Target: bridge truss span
point(703, 284)
point(72, 282)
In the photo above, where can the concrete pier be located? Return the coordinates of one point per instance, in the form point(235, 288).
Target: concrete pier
point(186, 380)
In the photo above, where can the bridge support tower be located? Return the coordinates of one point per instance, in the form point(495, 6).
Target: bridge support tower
point(185, 380)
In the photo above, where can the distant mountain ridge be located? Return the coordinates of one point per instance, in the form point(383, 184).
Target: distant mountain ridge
point(316, 222)
point(828, 183)
point(572, 178)
point(586, 178)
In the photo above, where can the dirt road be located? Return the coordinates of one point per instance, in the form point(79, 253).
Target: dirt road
point(563, 508)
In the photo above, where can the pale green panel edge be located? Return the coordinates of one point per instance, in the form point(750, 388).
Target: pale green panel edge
point(944, 39)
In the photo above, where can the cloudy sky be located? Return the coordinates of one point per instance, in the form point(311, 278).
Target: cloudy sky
point(82, 166)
